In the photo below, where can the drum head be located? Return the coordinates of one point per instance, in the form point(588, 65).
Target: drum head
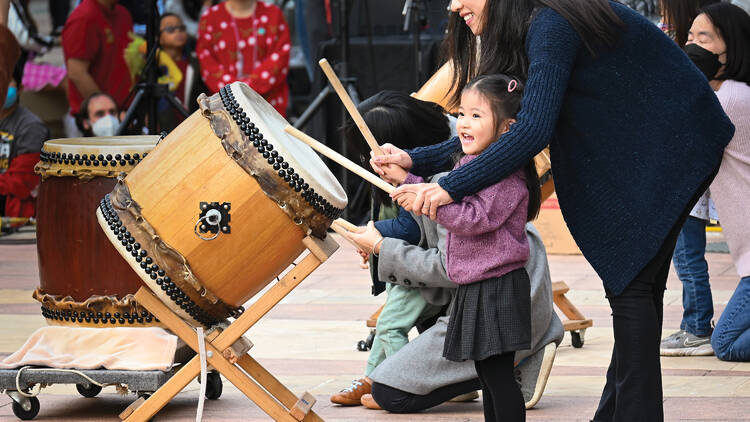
point(96, 156)
point(300, 156)
point(102, 143)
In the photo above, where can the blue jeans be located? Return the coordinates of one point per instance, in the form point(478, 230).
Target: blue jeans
point(731, 338)
point(692, 270)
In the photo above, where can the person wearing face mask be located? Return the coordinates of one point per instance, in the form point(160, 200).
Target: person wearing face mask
point(718, 29)
point(719, 45)
point(693, 337)
point(98, 116)
point(22, 135)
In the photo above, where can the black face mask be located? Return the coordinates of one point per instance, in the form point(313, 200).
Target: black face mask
point(707, 62)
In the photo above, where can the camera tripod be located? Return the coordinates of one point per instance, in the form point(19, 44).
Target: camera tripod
point(147, 93)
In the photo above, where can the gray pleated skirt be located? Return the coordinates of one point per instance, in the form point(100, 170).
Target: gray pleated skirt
point(489, 318)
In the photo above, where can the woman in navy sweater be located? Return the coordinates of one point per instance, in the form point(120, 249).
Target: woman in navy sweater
point(635, 135)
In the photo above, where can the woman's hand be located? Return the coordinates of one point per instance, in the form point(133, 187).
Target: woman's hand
point(393, 166)
point(422, 198)
point(367, 239)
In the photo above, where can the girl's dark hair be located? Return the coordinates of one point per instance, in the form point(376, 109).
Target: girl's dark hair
point(679, 15)
point(732, 24)
point(167, 15)
point(503, 38)
point(504, 94)
point(400, 119)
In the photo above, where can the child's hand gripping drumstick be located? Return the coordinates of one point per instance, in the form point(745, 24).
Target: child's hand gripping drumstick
point(356, 235)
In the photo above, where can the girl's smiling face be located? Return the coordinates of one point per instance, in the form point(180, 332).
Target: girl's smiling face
point(476, 122)
point(472, 12)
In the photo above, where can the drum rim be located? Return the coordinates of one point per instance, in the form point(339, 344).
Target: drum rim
point(102, 142)
point(267, 116)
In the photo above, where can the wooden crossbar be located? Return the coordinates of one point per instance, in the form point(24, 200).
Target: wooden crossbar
point(244, 372)
point(576, 319)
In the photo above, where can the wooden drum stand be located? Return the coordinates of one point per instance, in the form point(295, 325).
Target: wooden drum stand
point(241, 370)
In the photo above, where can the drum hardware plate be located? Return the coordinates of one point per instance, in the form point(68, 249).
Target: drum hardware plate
point(214, 217)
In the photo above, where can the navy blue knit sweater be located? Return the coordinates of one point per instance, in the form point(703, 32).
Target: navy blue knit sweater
point(633, 133)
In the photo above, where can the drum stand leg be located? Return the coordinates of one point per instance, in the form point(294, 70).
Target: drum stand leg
point(577, 323)
point(255, 382)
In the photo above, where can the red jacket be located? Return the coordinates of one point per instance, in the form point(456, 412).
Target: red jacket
point(20, 184)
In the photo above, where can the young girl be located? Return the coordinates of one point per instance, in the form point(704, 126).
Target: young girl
point(173, 40)
point(486, 251)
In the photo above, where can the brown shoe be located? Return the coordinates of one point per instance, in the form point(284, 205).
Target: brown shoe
point(352, 395)
point(369, 402)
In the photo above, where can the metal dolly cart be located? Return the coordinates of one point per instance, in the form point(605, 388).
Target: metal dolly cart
point(142, 383)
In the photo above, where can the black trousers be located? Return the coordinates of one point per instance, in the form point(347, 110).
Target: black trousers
point(399, 401)
point(633, 391)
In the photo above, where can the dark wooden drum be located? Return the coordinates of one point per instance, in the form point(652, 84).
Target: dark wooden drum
point(83, 280)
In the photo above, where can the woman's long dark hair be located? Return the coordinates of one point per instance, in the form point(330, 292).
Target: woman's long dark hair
point(732, 24)
point(503, 38)
point(679, 16)
point(505, 103)
point(399, 119)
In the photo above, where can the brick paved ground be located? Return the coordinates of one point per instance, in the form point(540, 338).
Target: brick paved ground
point(308, 342)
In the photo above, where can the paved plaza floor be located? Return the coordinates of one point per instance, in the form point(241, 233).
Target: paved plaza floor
point(309, 342)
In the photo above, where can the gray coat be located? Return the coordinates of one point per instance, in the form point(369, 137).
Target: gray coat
point(419, 367)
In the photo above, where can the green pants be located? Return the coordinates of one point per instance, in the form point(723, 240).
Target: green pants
point(404, 308)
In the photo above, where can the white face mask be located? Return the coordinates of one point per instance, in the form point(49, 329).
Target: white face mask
point(106, 126)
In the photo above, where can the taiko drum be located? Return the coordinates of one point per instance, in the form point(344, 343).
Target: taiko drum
point(220, 207)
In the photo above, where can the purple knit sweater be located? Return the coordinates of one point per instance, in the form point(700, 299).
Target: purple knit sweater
point(486, 231)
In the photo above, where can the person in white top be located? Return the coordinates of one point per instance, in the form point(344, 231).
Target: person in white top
point(723, 29)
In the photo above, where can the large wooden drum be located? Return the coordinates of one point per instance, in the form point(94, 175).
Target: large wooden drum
point(83, 280)
point(220, 207)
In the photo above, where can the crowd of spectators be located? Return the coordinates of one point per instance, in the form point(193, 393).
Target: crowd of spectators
point(203, 45)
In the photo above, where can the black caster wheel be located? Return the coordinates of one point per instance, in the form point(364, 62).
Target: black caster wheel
point(366, 344)
point(88, 390)
point(214, 387)
point(576, 338)
point(26, 414)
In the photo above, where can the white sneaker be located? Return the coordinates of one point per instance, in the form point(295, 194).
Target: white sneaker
point(471, 395)
point(532, 374)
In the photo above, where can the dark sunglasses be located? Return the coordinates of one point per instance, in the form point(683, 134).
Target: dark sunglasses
point(173, 29)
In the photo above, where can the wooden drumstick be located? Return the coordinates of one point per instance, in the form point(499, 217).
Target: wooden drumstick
point(349, 104)
point(345, 224)
point(340, 159)
point(343, 231)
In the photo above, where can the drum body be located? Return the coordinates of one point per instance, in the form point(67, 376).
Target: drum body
point(83, 280)
point(232, 159)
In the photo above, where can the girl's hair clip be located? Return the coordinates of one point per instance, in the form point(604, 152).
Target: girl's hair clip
point(512, 85)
